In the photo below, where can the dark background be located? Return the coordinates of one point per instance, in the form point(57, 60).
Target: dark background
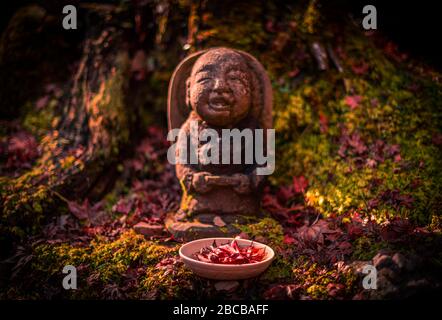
point(414, 25)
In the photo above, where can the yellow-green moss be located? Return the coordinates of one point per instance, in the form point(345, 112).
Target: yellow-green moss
point(267, 228)
point(166, 284)
point(108, 115)
point(389, 111)
point(281, 270)
point(365, 248)
point(39, 121)
point(314, 278)
point(108, 259)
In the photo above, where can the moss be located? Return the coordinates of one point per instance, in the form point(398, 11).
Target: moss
point(51, 259)
point(311, 18)
point(436, 224)
point(166, 284)
point(108, 260)
point(310, 111)
point(39, 121)
point(365, 248)
point(70, 161)
point(279, 271)
point(315, 280)
point(186, 198)
point(268, 229)
point(28, 198)
point(389, 110)
point(108, 117)
point(24, 206)
point(247, 36)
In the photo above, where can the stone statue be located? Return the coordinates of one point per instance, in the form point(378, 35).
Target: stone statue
point(217, 89)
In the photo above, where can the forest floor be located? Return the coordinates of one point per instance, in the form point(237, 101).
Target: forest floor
point(357, 181)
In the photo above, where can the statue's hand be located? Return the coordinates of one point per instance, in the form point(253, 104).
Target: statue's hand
point(203, 182)
point(242, 185)
point(199, 182)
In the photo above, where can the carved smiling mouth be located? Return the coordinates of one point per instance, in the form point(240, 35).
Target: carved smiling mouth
point(219, 103)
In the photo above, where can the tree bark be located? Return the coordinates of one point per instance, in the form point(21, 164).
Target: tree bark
point(94, 126)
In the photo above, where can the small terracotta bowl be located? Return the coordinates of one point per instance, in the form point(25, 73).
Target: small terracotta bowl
point(224, 271)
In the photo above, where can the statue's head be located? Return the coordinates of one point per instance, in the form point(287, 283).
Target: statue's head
point(219, 88)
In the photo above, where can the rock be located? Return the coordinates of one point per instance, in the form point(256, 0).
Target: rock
point(413, 262)
point(148, 229)
point(418, 283)
point(228, 286)
point(198, 227)
point(389, 274)
point(283, 292)
point(386, 290)
point(400, 260)
point(382, 261)
point(358, 267)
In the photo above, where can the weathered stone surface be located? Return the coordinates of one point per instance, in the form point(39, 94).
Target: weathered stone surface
point(400, 260)
point(382, 260)
point(227, 286)
point(358, 267)
point(398, 277)
point(201, 226)
point(148, 229)
point(223, 89)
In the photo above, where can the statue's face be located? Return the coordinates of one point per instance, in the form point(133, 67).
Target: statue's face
point(219, 87)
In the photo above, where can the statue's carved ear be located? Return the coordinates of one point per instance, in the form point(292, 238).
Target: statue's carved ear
point(188, 93)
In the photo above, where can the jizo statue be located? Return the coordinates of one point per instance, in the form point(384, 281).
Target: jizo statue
point(220, 99)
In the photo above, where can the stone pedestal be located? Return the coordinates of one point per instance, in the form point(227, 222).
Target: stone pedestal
point(185, 228)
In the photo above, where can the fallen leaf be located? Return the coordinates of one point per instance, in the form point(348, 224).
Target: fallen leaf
point(85, 211)
point(217, 221)
point(288, 239)
point(353, 101)
point(300, 184)
point(360, 68)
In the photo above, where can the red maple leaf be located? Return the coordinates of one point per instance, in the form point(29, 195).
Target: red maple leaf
point(353, 101)
point(314, 234)
point(85, 211)
point(300, 184)
point(271, 204)
point(21, 150)
point(355, 141)
point(285, 193)
point(288, 239)
point(323, 123)
point(360, 68)
point(122, 206)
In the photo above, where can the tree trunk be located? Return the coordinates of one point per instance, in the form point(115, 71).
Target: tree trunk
point(96, 119)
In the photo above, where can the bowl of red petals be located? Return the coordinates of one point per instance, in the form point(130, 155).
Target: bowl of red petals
point(226, 258)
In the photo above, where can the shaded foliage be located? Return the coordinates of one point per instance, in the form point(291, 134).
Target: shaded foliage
point(358, 163)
